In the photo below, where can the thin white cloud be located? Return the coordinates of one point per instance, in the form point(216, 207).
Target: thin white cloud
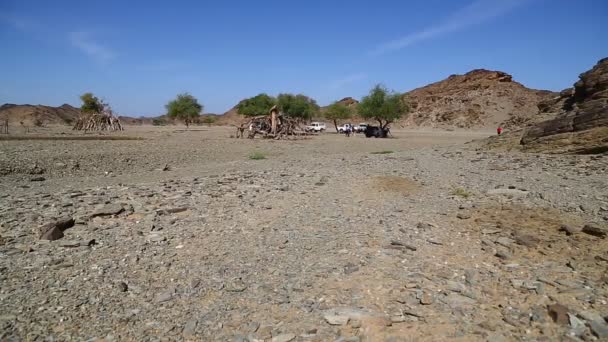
point(83, 41)
point(475, 13)
point(340, 83)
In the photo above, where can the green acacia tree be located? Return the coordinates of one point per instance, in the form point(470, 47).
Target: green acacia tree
point(185, 107)
point(90, 103)
point(257, 105)
point(337, 111)
point(208, 120)
point(383, 106)
point(297, 106)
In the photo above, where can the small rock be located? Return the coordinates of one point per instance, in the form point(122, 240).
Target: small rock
point(569, 230)
point(426, 298)
point(595, 230)
point(396, 243)
point(504, 241)
point(502, 253)
point(335, 319)
point(190, 328)
point(577, 327)
point(464, 216)
point(599, 328)
point(526, 240)
point(37, 179)
point(164, 296)
point(54, 230)
point(122, 286)
point(558, 313)
point(283, 338)
point(108, 210)
point(236, 285)
point(424, 225)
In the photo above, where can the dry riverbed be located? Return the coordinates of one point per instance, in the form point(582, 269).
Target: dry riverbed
point(181, 235)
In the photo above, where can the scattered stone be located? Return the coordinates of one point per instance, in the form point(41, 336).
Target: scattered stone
point(558, 313)
point(283, 338)
point(401, 245)
point(425, 225)
point(173, 210)
point(190, 328)
point(577, 327)
point(599, 328)
point(503, 253)
point(108, 210)
point(463, 216)
point(236, 285)
point(54, 230)
point(504, 241)
point(595, 230)
point(37, 179)
point(490, 231)
point(335, 319)
point(569, 230)
point(122, 286)
point(165, 296)
point(508, 192)
point(426, 298)
point(526, 240)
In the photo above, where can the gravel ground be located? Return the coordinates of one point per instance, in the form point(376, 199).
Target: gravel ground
point(181, 236)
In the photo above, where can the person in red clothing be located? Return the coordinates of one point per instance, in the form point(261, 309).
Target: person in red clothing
point(499, 130)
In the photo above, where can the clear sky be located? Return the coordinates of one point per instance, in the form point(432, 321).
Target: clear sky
point(139, 54)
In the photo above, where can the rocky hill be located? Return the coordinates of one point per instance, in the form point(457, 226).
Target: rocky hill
point(479, 98)
point(38, 114)
point(581, 122)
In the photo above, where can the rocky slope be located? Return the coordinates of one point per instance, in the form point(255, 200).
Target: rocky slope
point(581, 124)
point(38, 114)
point(479, 98)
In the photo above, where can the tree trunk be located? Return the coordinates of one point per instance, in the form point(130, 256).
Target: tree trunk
point(187, 123)
point(273, 120)
point(336, 126)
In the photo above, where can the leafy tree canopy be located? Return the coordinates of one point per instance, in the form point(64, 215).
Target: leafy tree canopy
point(90, 103)
point(297, 106)
point(184, 107)
point(383, 106)
point(257, 105)
point(338, 111)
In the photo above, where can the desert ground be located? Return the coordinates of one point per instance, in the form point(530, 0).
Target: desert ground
point(165, 234)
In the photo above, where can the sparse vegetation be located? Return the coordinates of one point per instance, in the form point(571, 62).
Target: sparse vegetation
point(257, 155)
point(185, 107)
point(297, 106)
point(91, 104)
point(208, 120)
point(460, 192)
point(383, 105)
point(257, 105)
point(383, 152)
point(338, 111)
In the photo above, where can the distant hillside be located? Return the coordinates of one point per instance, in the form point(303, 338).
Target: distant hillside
point(479, 98)
point(38, 114)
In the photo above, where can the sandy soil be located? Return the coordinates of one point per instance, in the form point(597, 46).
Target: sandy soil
point(181, 236)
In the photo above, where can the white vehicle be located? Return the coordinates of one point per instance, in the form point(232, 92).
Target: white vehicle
point(316, 127)
point(361, 127)
point(345, 127)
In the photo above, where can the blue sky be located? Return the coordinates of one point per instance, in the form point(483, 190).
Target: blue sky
point(139, 54)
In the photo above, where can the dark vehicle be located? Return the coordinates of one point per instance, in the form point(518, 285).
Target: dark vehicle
point(376, 132)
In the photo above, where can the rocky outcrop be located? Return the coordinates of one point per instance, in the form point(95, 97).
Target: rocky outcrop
point(479, 98)
point(582, 122)
point(38, 114)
